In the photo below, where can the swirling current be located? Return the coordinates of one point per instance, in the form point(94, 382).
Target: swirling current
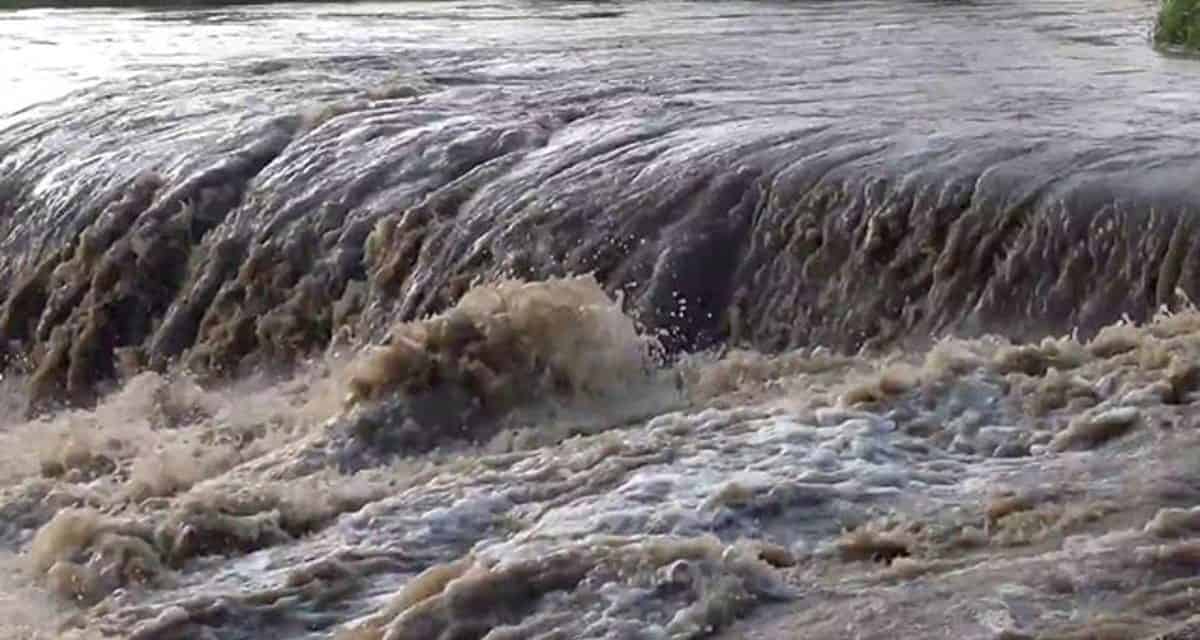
point(629, 320)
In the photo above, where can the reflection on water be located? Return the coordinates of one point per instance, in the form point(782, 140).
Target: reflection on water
point(982, 56)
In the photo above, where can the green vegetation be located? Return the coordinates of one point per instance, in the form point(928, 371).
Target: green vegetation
point(1178, 24)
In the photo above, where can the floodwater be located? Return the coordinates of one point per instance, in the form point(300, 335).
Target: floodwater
point(450, 320)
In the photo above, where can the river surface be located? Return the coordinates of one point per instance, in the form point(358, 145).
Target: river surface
point(557, 320)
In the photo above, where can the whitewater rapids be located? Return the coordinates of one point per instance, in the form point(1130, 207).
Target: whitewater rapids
point(598, 320)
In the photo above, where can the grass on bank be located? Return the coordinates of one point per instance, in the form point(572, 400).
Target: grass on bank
point(1178, 24)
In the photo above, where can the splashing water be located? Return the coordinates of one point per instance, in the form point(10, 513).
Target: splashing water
point(503, 321)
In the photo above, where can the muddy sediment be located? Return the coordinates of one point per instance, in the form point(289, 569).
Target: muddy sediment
point(953, 488)
point(760, 240)
point(422, 336)
point(230, 217)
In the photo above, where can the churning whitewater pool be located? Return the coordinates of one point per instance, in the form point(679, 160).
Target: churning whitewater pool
point(454, 320)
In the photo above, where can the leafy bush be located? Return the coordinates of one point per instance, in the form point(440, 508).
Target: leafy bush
point(1178, 24)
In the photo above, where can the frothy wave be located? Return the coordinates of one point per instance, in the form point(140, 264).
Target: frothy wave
point(627, 354)
point(780, 478)
point(182, 231)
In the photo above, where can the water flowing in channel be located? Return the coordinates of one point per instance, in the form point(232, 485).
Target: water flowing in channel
point(598, 320)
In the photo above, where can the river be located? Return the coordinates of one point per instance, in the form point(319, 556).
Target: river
point(499, 320)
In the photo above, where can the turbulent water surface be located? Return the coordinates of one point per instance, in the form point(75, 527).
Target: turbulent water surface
point(434, 320)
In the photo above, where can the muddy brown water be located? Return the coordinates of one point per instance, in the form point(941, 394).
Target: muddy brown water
point(398, 321)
